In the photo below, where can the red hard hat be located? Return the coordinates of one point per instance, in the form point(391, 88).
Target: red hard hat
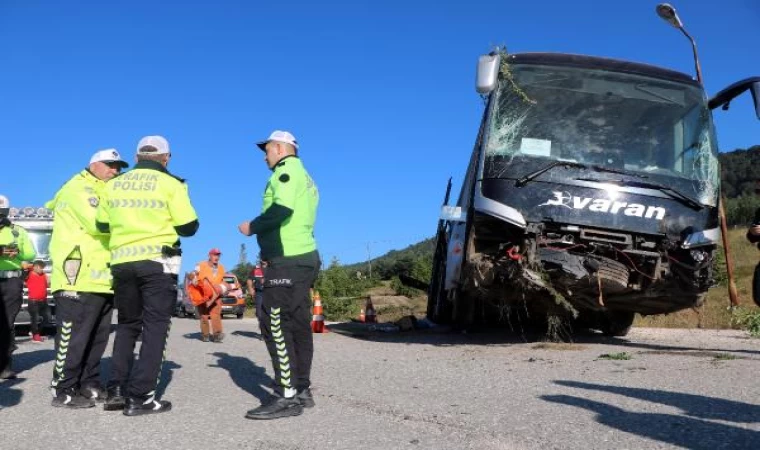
point(214, 251)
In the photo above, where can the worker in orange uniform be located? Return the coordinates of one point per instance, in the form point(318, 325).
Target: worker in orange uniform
point(213, 271)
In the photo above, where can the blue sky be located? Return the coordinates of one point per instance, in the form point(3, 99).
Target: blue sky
point(379, 94)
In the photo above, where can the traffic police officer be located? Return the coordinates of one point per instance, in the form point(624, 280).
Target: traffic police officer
point(285, 234)
point(15, 249)
point(146, 210)
point(81, 283)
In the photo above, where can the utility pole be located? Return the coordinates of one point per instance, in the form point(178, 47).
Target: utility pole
point(369, 261)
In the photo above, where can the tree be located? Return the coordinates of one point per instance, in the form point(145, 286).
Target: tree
point(243, 259)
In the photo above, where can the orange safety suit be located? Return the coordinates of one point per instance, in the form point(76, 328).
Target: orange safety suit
point(213, 311)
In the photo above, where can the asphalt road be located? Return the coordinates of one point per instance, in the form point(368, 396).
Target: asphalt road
point(421, 390)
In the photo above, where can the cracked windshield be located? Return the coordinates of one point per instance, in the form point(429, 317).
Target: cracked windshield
point(627, 122)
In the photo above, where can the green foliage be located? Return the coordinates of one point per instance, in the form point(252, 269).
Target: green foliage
point(506, 73)
point(719, 267)
point(342, 308)
point(397, 262)
point(741, 210)
point(402, 289)
point(242, 271)
point(748, 320)
point(622, 356)
point(339, 288)
point(740, 171)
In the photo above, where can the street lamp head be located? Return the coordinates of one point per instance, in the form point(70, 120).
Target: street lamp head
point(668, 14)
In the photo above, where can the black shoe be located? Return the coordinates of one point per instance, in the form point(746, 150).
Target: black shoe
point(94, 393)
point(71, 399)
point(8, 374)
point(304, 396)
point(204, 338)
point(141, 406)
point(278, 407)
point(114, 399)
point(218, 338)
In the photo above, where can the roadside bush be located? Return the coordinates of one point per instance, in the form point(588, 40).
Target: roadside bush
point(719, 266)
point(339, 309)
point(402, 289)
point(748, 321)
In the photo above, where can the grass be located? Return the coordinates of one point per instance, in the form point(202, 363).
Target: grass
point(392, 313)
point(748, 320)
point(715, 313)
point(558, 346)
point(622, 356)
point(725, 357)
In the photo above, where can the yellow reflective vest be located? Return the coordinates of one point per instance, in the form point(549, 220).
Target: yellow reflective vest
point(142, 207)
point(16, 235)
point(76, 239)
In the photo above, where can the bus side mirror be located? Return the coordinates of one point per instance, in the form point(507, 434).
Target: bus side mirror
point(488, 73)
point(723, 98)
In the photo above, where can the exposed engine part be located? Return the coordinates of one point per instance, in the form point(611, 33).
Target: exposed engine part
point(585, 268)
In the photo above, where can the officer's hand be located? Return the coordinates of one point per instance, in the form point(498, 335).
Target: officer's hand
point(754, 230)
point(245, 228)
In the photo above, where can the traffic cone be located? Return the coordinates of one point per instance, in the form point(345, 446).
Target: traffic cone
point(318, 318)
point(370, 314)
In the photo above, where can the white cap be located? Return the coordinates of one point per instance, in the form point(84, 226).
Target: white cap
point(158, 143)
point(108, 155)
point(279, 136)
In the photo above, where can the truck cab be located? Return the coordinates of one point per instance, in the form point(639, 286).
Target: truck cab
point(38, 222)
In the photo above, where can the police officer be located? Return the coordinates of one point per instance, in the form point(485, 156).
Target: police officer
point(285, 234)
point(15, 249)
point(81, 283)
point(146, 210)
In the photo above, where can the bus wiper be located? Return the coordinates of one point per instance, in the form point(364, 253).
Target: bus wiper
point(673, 193)
point(522, 181)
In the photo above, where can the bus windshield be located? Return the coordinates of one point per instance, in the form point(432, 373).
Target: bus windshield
point(661, 129)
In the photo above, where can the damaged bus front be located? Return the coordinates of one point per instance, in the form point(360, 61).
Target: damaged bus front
point(592, 194)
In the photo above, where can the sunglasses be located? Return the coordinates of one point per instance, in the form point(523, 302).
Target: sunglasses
point(114, 165)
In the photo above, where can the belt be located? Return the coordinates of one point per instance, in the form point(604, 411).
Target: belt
point(10, 274)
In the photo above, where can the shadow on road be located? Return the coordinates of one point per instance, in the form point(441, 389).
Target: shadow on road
point(193, 336)
point(676, 430)
point(691, 404)
point(248, 334)
point(9, 394)
point(167, 374)
point(674, 348)
point(445, 336)
point(245, 374)
point(440, 336)
point(29, 360)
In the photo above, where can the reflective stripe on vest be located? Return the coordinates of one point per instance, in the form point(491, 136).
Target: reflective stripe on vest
point(100, 274)
point(136, 250)
point(136, 203)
